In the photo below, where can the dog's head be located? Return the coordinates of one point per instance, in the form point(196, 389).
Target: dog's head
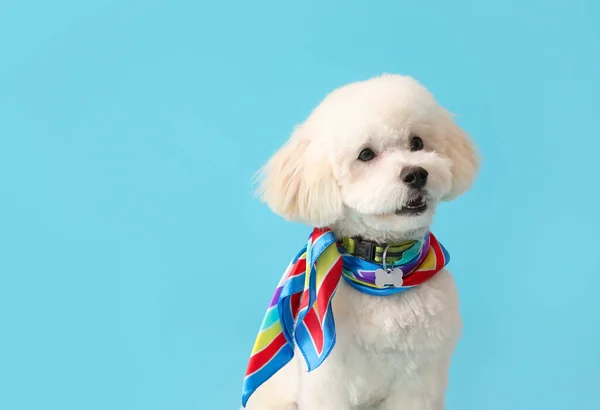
point(375, 156)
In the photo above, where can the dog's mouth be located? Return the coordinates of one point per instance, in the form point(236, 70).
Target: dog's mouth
point(414, 206)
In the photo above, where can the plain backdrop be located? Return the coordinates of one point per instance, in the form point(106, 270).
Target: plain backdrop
point(136, 263)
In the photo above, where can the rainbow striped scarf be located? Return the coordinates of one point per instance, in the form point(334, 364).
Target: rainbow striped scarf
point(300, 312)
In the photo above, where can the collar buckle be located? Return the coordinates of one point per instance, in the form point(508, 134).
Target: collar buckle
point(365, 250)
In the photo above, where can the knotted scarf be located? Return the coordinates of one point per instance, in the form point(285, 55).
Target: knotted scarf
point(300, 311)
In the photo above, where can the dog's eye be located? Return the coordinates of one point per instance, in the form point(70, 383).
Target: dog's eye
point(366, 154)
point(416, 144)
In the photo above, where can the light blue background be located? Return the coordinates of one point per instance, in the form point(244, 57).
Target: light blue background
point(129, 134)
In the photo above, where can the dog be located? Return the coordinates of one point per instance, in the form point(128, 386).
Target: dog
point(373, 161)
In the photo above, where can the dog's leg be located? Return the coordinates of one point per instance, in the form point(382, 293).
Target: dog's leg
point(429, 401)
point(278, 393)
point(284, 406)
point(416, 397)
point(323, 389)
point(322, 400)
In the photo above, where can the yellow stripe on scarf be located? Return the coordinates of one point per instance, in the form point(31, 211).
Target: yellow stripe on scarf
point(266, 336)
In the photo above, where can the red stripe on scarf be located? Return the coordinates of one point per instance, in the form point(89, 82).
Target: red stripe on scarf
point(328, 288)
point(317, 232)
point(295, 301)
point(299, 268)
point(259, 359)
point(311, 321)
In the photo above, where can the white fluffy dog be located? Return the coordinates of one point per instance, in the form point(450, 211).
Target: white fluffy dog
point(374, 160)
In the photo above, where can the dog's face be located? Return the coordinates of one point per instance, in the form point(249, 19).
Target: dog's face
point(374, 157)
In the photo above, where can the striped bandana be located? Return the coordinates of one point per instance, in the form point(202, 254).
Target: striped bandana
point(300, 311)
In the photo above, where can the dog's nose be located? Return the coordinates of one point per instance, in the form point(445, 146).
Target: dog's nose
point(414, 177)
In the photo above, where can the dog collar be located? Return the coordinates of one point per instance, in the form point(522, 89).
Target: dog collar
point(412, 263)
point(372, 251)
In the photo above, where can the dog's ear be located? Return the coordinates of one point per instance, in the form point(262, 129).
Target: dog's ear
point(298, 183)
point(462, 152)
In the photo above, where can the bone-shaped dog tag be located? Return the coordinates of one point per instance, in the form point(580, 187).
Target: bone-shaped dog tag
point(392, 278)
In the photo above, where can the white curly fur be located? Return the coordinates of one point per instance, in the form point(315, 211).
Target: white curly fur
point(393, 352)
